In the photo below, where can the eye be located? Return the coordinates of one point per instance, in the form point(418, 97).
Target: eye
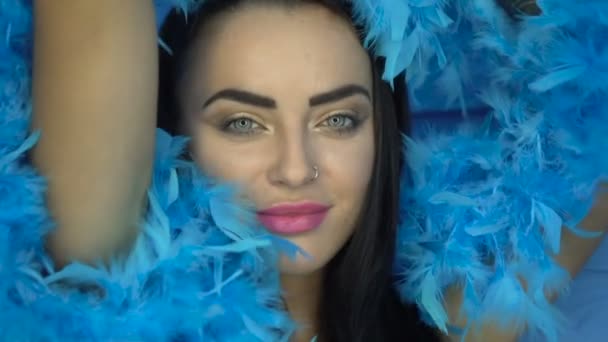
point(339, 121)
point(241, 126)
point(342, 122)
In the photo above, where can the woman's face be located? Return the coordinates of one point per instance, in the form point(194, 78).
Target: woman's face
point(270, 95)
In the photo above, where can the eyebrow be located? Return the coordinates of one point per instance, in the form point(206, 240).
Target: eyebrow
point(242, 96)
point(339, 94)
point(258, 100)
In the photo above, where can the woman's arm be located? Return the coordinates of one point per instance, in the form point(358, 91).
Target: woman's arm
point(574, 253)
point(94, 97)
point(575, 250)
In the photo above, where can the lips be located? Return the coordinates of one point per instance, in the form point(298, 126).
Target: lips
point(293, 218)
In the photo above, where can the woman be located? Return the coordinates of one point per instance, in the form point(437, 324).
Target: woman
point(312, 138)
point(129, 77)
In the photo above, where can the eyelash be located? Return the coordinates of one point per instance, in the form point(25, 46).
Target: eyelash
point(355, 122)
point(228, 126)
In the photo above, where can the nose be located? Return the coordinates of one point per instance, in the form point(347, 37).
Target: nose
point(293, 166)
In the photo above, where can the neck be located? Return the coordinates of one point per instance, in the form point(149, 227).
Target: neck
point(302, 297)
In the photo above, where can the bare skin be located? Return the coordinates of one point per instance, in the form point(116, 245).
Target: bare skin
point(94, 97)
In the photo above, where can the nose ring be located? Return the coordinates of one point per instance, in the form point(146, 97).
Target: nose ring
point(316, 169)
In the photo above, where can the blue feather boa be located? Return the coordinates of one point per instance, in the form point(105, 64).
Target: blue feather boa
point(482, 205)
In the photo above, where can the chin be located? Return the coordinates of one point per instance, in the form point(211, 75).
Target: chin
point(318, 248)
point(301, 265)
point(317, 256)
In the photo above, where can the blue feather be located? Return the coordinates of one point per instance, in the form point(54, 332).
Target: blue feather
point(483, 206)
point(535, 176)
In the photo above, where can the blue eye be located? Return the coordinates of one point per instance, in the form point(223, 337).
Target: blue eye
point(341, 122)
point(241, 125)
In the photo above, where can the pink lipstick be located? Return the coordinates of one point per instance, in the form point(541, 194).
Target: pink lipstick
point(293, 218)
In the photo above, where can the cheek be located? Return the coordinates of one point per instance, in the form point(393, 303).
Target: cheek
point(345, 165)
point(226, 160)
point(346, 168)
point(349, 169)
point(349, 166)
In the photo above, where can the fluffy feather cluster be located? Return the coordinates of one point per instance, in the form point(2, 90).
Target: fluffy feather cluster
point(482, 206)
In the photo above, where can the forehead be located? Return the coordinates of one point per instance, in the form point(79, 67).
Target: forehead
point(305, 49)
